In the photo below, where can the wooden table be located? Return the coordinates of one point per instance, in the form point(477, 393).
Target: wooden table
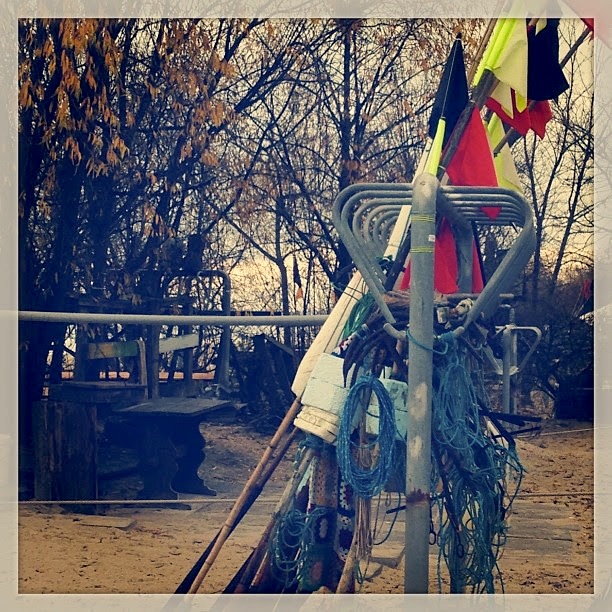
point(171, 445)
point(168, 440)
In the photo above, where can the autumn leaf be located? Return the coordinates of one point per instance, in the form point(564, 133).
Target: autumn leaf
point(186, 150)
point(216, 114)
point(215, 61)
point(25, 98)
point(209, 158)
point(228, 69)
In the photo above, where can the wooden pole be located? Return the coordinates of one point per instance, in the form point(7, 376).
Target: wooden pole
point(481, 49)
point(346, 584)
point(251, 484)
point(255, 564)
point(248, 501)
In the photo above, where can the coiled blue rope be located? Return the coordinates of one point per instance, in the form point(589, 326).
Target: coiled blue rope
point(366, 482)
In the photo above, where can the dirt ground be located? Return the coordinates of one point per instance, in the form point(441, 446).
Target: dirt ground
point(145, 549)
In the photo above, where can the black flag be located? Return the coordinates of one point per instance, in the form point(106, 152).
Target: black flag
point(545, 78)
point(452, 96)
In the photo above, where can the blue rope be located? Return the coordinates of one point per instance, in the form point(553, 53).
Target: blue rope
point(445, 338)
point(472, 468)
point(455, 422)
point(366, 482)
point(293, 536)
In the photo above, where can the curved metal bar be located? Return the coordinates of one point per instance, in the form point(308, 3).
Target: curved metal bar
point(346, 202)
point(359, 224)
point(515, 260)
point(466, 204)
point(387, 215)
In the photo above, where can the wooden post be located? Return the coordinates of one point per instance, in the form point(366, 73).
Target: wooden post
point(188, 359)
point(80, 358)
point(65, 449)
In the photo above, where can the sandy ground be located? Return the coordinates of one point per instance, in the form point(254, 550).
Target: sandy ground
point(140, 549)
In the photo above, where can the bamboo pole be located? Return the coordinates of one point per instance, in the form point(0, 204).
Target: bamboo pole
point(481, 49)
point(346, 584)
point(252, 484)
point(256, 563)
point(253, 495)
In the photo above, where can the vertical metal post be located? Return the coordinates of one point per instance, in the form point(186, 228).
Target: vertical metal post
point(223, 382)
point(420, 344)
point(509, 365)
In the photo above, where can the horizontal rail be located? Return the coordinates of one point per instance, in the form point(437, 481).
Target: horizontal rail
point(144, 319)
point(138, 502)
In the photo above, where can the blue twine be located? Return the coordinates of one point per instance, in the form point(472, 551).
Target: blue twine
point(474, 470)
point(447, 338)
point(309, 441)
point(289, 545)
point(366, 482)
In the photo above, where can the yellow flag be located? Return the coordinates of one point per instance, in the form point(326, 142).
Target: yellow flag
point(505, 169)
point(435, 153)
point(506, 57)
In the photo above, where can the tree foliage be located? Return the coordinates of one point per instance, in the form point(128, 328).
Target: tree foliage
point(170, 145)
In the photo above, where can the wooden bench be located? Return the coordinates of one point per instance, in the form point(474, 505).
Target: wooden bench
point(168, 440)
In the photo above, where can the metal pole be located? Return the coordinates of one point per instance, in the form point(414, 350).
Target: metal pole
point(223, 362)
point(509, 364)
point(135, 319)
point(223, 381)
point(418, 453)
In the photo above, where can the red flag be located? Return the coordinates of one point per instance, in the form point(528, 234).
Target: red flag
point(534, 118)
point(445, 257)
point(590, 23)
point(472, 163)
point(586, 290)
point(446, 268)
point(445, 262)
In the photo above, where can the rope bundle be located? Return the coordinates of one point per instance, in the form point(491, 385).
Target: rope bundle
point(455, 421)
point(469, 474)
point(366, 481)
point(293, 535)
